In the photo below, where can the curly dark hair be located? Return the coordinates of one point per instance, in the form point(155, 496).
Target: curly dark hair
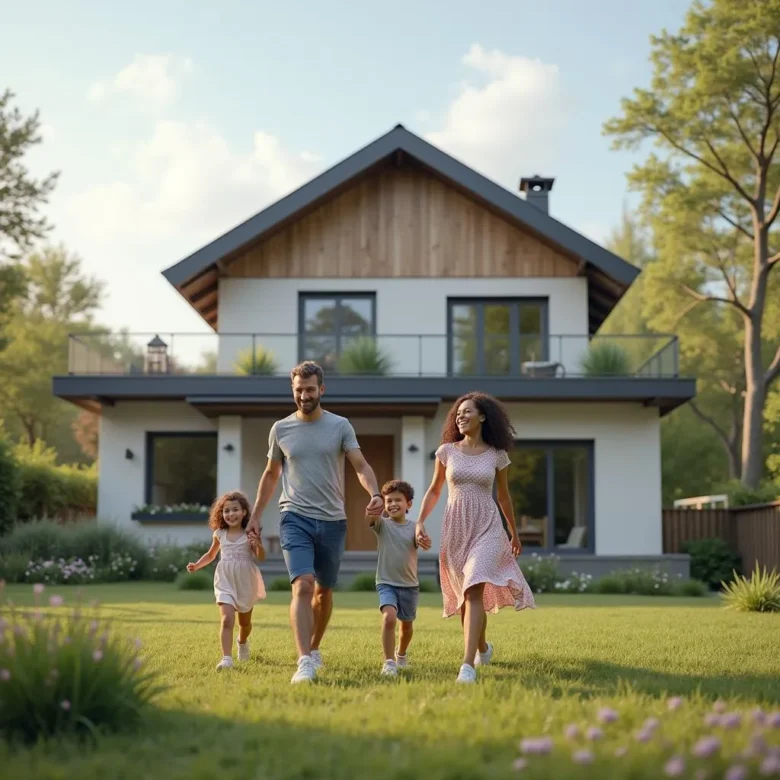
point(398, 486)
point(217, 521)
point(497, 430)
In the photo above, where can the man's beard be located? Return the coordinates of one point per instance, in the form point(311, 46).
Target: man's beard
point(307, 407)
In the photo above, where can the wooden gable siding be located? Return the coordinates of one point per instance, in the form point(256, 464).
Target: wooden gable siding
point(401, 223)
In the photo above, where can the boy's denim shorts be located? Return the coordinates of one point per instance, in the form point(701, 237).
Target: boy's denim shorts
point(403, 599)
point(312, 547)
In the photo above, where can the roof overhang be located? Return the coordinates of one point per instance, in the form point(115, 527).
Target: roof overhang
point(366, 396)
point(197, 277)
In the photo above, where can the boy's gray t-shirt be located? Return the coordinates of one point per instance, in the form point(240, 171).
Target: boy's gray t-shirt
point(312, 457)
point(397, 560)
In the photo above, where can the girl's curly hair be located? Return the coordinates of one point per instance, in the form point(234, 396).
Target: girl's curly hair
point(217, 521)
point(497, 430)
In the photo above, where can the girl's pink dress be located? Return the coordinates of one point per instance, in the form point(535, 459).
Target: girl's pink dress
point(474, 545)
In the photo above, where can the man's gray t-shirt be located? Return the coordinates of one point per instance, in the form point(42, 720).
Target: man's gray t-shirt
point(312, 456)
point(397, 560)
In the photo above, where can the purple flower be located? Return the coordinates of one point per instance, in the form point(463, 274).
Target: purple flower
point(519, 764)
point(758, 743)
point(5, 675)
point(137, 664)
point(651, 724)
point(719, 706)
point(731, 720)
point(56, 601)
point(582, 757)
point(674, 703)
point(138, 643)
point(711, 720)
point(572, 731)
point(97, 656)
point(65, 704)
point(706, 747)
point(736, 772)
point(773, 720)
point(536, 745)
point(607, 715)
point(675, 767)
point(38, 588)
point(759, 718)
point(644, 735)
point(594, 733)
point(770, 766)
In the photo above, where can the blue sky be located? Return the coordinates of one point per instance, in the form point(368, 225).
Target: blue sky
point(173, 121)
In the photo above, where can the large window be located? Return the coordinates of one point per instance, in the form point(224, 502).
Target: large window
point(181, 468)
point(552, 489)
point(329, 323)
point(494, 337)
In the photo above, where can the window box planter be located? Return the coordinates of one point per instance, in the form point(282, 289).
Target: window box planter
point(164, 515)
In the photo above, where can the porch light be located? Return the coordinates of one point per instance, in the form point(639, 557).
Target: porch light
point(156, 360)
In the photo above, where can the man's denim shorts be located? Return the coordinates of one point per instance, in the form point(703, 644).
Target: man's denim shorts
point(312, 547)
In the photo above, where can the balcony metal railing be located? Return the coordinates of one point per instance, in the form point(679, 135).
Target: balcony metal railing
point(431, 355)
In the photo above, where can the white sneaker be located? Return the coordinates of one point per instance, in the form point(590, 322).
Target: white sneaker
point(485, 658)
point(306, 671)
point(389, 669)
point(467, 674)
point(225, 663)
point(243, 651)
point(401, 661)
point(316, 658)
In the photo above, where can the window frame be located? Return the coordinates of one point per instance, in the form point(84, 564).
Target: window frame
point(304, 296)
point(151, 437)
point(515, 368)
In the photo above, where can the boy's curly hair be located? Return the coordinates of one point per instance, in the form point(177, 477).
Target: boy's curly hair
point(217, 521)
point(497, 430)
point(398, 486)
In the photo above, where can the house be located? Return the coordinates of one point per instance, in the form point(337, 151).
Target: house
point(412, 279)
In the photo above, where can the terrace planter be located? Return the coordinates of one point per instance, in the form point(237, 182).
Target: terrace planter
point(166, 518)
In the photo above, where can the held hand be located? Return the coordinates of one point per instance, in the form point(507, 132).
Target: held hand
point(517, 546)
point(375, 506)
point(191, 567)
point(423, 540)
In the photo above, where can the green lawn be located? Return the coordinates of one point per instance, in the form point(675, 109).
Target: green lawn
point(553, 666)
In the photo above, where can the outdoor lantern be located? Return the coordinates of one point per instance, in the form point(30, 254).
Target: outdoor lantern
point(156, 361)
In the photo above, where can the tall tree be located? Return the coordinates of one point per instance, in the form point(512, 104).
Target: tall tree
point(714, 113)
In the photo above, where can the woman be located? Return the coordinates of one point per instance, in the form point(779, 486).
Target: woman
point(479, 571)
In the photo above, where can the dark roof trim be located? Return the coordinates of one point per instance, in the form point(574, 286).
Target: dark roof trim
point(399, 138)
point(667, 394)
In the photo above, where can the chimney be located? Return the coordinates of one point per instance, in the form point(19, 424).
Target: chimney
point(537, 191)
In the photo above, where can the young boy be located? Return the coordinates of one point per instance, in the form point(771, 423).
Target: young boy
point(396, 572)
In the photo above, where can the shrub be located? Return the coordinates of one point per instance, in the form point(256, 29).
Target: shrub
point(280, 583)
point(264, 363)
point(197, 580)
point(638, 582)
point(741, 495)
point(9, 487)
point(74, 571)
point(541, 573)
point(64, 673)
point(364, 582)
point(575, 583)
point(712, 561)
point(690, 588)
point(364, 356)
point(760, 593)
point(610, 585)
point(605, 358)
point(13, 566)
point(165, 562)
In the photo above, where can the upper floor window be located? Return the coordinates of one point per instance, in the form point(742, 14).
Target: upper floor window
point(494, 337)
point(330, 322)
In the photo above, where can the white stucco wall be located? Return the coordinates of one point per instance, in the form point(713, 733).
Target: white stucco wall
point(405, 310)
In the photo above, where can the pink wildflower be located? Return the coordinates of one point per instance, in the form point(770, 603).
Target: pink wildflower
point(607, 715)
point(773, 720)
point(711, 720)
point(770, 766)
point(719, 706)
point(736, 772)
point(56, 601)
point(97, 656)
point(65, 704)
point(731, 720)
point(572, 731)
point(706, 747)
point(675, 767)
point(759, 718)
point(38, 588)
point(5, 675)
point(674, 703)
point(537, 745)
point(644, 735)
point(594, 733)
point(519, 764)
point(582, 757)
point(651, 724)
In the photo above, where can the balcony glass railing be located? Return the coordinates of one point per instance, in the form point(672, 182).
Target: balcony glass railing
point(274, 354)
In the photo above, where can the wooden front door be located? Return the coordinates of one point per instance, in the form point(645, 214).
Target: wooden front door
point(379, 451)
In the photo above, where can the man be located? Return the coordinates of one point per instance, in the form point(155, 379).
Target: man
point(307, 450)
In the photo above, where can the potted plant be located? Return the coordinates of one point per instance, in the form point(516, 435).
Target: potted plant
point(605, 358)
point(364, 357)
point(262, 363)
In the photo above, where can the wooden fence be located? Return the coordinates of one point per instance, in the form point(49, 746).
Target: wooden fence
point(752, 531)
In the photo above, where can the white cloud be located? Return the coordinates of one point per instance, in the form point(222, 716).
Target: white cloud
point(185, 180)
point(152, 79)
point(509, 123)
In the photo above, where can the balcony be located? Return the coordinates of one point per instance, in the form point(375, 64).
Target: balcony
point(647, 356)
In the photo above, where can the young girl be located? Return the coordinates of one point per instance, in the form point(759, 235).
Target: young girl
point(238, 583)
point(477, 561)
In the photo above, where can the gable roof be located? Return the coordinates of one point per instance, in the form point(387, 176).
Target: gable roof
point(609, 276)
